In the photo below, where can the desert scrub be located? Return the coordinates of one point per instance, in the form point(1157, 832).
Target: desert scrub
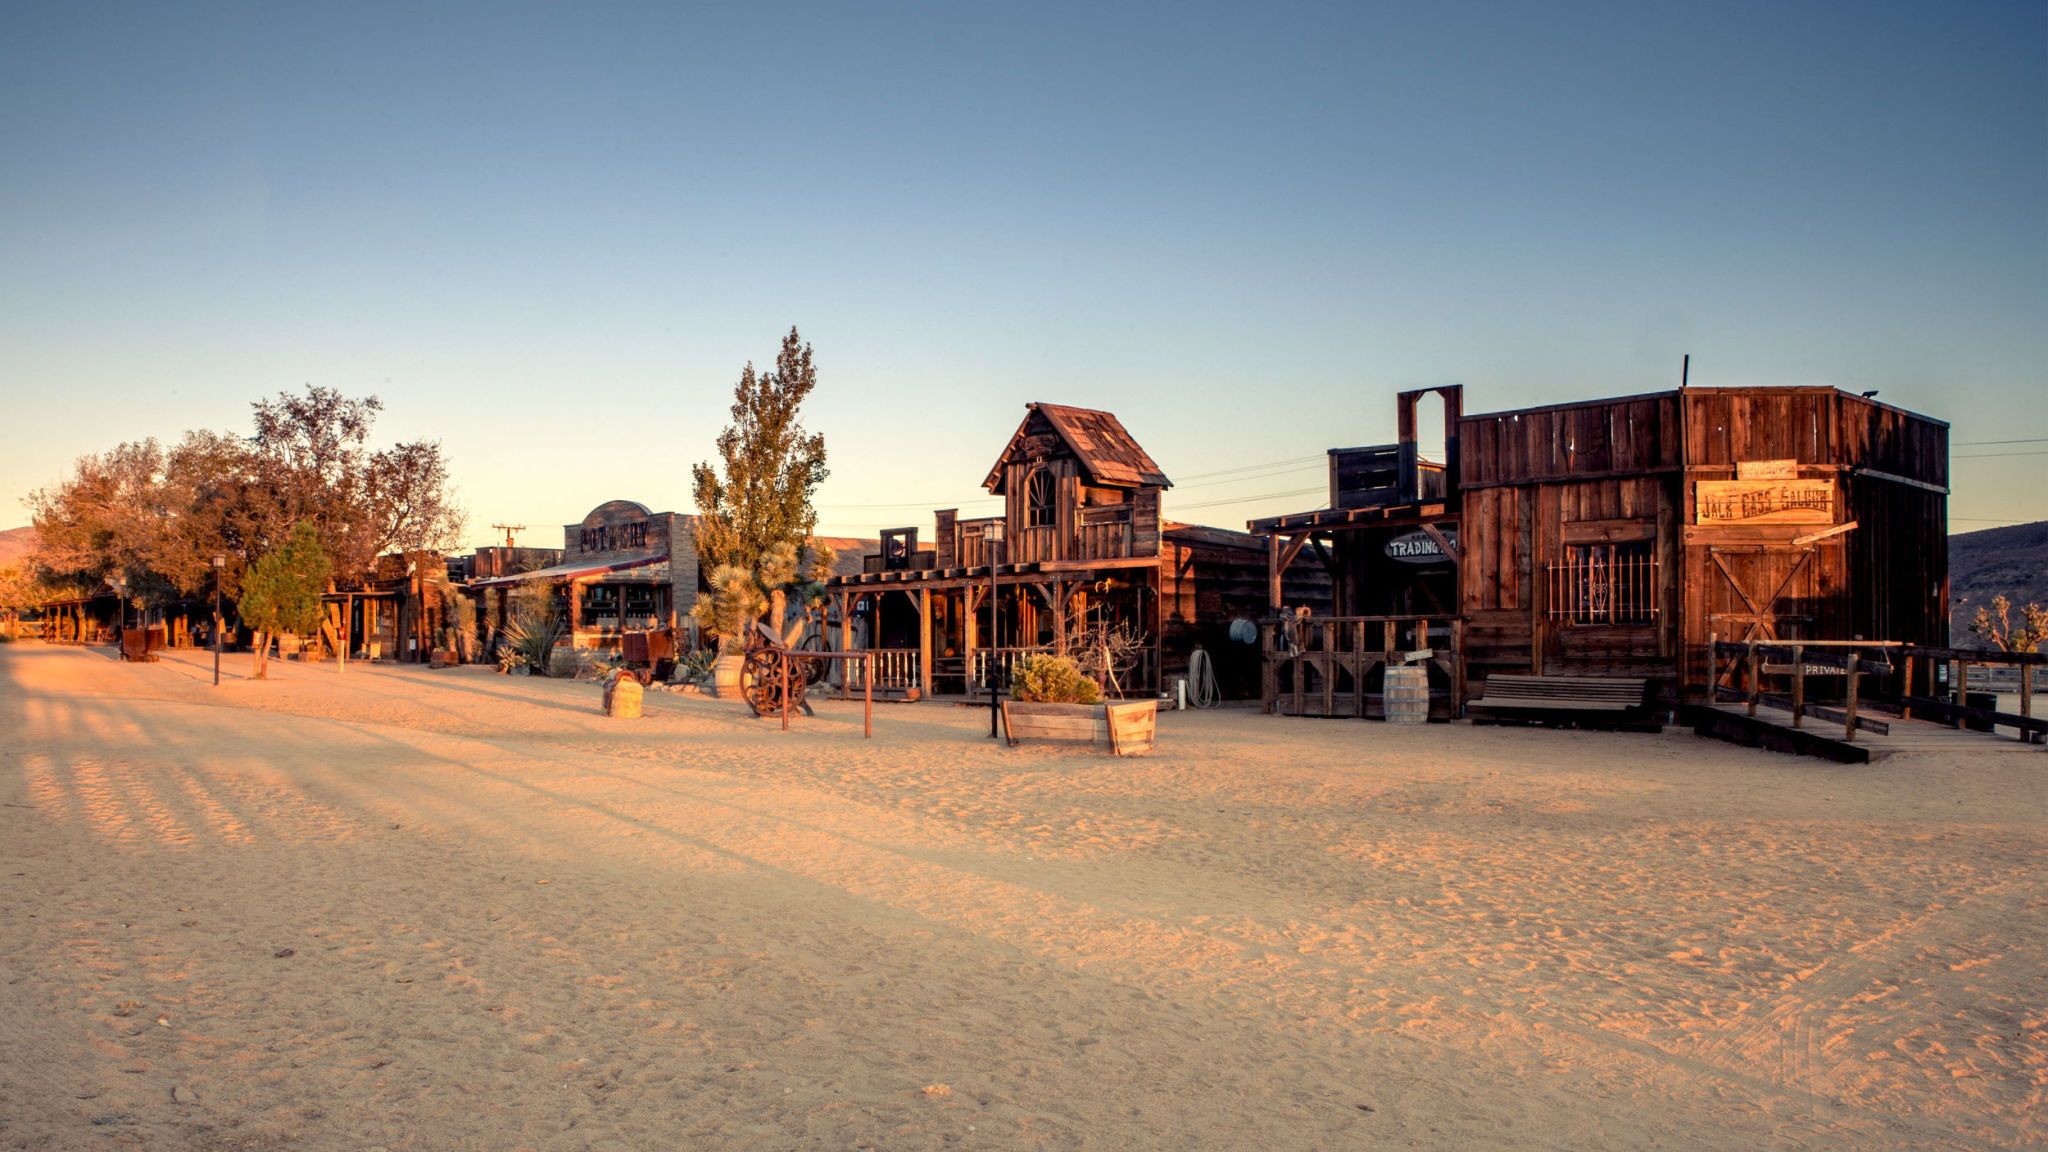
point(1040, 679)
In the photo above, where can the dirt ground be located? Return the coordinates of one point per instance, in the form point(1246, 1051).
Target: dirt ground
point(408, 909)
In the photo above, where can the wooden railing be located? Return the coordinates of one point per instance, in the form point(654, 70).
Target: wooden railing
point(1325, 647)
point(893, 668)
point(1107, 540)
point(1752, 661)
point(1902, 668)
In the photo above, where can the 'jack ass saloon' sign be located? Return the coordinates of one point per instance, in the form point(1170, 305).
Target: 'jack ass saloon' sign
point(1773, 501)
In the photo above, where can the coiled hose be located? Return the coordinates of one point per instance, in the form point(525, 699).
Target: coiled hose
point(1203, 691)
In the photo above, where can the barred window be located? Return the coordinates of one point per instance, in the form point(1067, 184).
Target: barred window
point(1605, 584)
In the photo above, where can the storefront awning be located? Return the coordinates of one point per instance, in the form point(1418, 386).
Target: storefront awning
point(561, 573)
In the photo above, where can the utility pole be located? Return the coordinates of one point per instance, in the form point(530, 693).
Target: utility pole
point(508, 530)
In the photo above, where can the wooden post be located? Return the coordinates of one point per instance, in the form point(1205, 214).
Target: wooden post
point(1798, 684)
point(970, 631)
point(1713, 669)
point(1358, 669)
point(782, 672)
point(1750, 670)
point(1273, 574)
point(1849, 705)
point(1958, 686)
point(2027, 699)
point(924, 642)
point(848, 602)
point(1329, 668)
point(867, 692)
point(1906, 689)
point(1458, 668)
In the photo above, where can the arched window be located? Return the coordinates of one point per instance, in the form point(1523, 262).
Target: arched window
point(1038, 507)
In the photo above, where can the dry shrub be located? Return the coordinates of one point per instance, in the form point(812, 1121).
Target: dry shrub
point(1041, 679)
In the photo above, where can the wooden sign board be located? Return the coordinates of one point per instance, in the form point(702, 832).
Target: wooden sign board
point(1764, 502)
point(1420, 548)
point(1767, 469)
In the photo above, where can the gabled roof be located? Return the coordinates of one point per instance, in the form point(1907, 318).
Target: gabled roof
point(1108, 454)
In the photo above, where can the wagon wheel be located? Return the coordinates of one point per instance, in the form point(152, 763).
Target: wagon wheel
point(814, 670)
point(761, 681)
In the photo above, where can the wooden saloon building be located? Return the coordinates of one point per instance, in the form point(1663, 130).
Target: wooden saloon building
point(1080, 545)
point(1612, 538)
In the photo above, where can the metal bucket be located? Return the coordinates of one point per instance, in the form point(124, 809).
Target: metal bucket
point(1406, 696)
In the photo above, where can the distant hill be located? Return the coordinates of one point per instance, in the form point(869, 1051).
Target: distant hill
point(2012, 560)
point(16, 544)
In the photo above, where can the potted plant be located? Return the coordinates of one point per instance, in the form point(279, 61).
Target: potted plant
point(1052, 699)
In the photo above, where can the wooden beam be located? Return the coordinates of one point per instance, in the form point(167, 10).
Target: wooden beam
point(1443, 542)
point(1837, 530)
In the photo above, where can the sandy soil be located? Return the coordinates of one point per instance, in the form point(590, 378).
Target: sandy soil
point(407, 909)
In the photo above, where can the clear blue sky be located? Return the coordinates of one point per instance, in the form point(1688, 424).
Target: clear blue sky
point(550, 235)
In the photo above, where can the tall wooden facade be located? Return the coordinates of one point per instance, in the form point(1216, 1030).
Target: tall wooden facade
point(1080, 543)
point(1618, 537)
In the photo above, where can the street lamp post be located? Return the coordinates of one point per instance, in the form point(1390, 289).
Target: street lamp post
point(992, 539)
point(219, 563)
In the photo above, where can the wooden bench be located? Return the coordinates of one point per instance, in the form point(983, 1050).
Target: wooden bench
point(1578, 701)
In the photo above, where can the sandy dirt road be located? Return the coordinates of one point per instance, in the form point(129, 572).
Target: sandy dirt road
point(408, 909)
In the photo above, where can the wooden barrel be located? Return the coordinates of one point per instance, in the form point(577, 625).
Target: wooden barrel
point(1407, 694)
point(622, 698)
point(725, 675)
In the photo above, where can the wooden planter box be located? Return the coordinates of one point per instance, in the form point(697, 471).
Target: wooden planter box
point(1126, 725)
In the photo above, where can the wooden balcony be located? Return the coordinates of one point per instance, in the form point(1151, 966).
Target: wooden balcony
point(1102, 534)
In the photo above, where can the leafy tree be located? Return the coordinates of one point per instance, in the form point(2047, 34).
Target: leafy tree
point(20, 591)
point(1995, 624)
point(281, 592)
point(310, 456)
point(754, 505)
point(157, 516)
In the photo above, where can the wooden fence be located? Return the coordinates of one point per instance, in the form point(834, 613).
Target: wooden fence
point(1319, 665)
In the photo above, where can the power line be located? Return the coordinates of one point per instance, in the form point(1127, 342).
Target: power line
point(1248, 499)
point(1997, 455)
point(1988, 443)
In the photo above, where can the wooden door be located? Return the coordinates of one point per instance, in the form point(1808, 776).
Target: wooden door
point(1761, 593)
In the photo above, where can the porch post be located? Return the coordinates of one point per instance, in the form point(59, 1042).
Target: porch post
point(924, 641)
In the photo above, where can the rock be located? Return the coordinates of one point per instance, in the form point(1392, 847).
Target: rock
point(283, 953)
point(184, 1095)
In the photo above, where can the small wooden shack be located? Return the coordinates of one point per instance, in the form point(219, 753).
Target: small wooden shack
point(1614, 538)
point(1081, 544)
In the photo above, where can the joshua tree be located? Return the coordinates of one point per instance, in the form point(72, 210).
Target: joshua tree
point(1995, 625)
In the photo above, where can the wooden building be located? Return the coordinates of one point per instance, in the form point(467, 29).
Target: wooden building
point(1080, 545)
point(1615, 538)
point(621, 569)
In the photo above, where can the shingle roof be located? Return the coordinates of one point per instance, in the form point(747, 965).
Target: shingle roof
point(1108, 454)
